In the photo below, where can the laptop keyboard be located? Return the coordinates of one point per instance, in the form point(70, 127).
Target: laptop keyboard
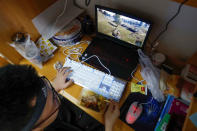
point(120, 60)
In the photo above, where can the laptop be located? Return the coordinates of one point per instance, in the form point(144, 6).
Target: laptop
point(118, 36)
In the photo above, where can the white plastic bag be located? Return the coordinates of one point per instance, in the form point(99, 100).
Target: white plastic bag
point(29, 51)
point(152, 75)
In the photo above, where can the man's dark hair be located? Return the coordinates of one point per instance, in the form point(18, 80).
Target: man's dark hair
point(19, 84)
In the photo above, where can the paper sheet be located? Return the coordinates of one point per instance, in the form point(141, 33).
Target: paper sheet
point(44, 22)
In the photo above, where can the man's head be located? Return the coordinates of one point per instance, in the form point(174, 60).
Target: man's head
point(20, 87)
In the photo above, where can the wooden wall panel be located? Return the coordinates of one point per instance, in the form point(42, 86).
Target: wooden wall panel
point(190, 2)
point(15, 16)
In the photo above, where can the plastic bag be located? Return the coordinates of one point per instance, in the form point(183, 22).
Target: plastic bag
point(152, 75)
point(29, 51)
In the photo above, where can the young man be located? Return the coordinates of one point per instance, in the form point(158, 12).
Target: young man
point(29, 102)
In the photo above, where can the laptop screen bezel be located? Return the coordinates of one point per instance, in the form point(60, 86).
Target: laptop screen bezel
point(121, 42)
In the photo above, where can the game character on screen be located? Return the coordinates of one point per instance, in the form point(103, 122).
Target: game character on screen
point(116, 33)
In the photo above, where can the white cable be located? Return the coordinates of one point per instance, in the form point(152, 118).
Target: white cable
point(135, 77)
point(74, 51)
point(77, 43)
point(78, 52)
point(132, 74)
point(65, 6)
point(99, 62)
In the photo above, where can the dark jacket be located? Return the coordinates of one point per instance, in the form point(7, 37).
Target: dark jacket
point(72, 118)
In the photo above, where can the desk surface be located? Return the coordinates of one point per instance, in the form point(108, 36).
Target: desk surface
point(72, 93)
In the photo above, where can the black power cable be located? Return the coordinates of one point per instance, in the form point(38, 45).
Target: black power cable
point(87, 2)
point(167, 24)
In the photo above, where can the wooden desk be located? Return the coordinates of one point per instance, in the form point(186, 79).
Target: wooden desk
point(72, 93)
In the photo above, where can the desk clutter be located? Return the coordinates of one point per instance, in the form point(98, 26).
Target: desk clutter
point(35, 53)
point(150, 110)
point(42, 50)
point(92, 79)
point(69, 35)
point(157, 102)
point(143, 110)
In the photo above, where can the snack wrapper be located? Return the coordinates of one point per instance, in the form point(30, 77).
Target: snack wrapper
point(46, 47)
point(91, 100)
point(138, 88)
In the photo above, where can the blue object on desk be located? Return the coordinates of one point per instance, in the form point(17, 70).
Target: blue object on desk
point(165, 109)
point(193, 118)
point(151, 110)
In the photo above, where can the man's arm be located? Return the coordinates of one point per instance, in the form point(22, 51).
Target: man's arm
point(112, 112)
point(111, 115)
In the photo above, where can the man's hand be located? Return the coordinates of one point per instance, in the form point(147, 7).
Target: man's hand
point(60, 82)
point(111, 115)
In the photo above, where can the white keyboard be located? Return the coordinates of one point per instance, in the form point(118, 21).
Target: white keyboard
point(95, 80)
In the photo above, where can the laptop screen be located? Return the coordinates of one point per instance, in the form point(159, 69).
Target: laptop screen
point(121, 27)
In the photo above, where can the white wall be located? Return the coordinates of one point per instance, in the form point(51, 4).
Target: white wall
point(181, 38)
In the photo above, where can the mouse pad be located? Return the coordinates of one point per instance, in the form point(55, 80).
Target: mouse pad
point(150, 114)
